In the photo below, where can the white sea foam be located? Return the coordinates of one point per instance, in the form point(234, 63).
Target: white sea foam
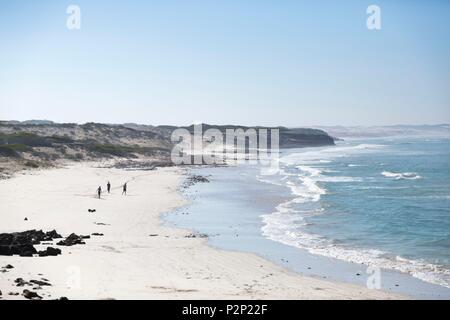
point(313, 172)
point(276, 183)
point(399, 176)
point(308, 190)
point(339, 179)
point(324, 156)
point(283, 226)
point(286, 225)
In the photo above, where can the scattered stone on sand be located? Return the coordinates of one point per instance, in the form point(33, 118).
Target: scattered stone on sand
point(196, 235)
point(193, 179)
point(153, 235)
point(73, 239)
point(40, 283)
point(13, 293)
point(49, 252)
point(53, 235)
point(31, 295)
point(101, 224)
point(22, 243)
point(92, 210)
point(358, 274)
point(21, 283)
point(96, 234)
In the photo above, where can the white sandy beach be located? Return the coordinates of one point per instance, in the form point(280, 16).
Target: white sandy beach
point(127, 262)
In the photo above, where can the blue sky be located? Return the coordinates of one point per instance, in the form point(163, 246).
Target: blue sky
point(292, 63)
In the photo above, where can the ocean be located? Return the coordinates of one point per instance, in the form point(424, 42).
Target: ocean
point(329, 211)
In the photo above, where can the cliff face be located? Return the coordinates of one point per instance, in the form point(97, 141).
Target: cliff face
point(289, 137)
point(300, 138)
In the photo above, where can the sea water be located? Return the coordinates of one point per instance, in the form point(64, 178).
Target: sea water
point(383, 203)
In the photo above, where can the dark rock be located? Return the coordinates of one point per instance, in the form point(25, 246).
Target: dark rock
point(49, 252)
point(22, 243)
point(71, 240)
point(8, 266)
point(20, 282)
point(63, 299)
point(193, 179)
point(13, 293)
point(40, 283)
point(26, 250)
point(196, 235)
point(26, 219)
point(53, 235)
point(31, 295)
point(98, 234)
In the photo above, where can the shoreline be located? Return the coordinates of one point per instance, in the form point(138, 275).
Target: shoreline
point(138, 257)
point(240, 198)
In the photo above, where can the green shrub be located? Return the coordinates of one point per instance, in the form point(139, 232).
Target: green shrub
point(25, 138)
point(5, 151)
point(115, 150)
point(17, 147)
point(31, 164)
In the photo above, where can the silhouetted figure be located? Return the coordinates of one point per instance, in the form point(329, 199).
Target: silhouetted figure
point(108, 186)
point(99, 192)
point(124, 192)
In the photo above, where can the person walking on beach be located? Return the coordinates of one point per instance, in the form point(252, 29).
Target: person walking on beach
point(124, 192)
point(99, 192)
point(108, 186)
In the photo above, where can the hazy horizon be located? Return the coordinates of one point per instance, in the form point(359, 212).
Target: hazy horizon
point(292, 64)
point(236, 124)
